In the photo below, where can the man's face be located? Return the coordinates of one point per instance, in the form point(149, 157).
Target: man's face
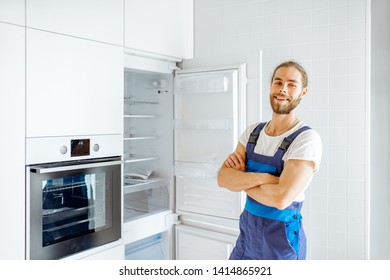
point(286, 90)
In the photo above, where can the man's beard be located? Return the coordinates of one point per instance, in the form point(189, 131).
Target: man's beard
point(284, 110)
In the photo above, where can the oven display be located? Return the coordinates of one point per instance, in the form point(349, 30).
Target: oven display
point(79, 147)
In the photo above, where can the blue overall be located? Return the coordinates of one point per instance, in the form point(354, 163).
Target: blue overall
point(267, 233)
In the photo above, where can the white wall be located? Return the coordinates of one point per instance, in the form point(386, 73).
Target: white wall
point(329, 38)
point(380, 130)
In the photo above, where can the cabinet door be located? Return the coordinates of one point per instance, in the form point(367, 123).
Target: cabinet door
point(199, 244)
point(160, 27)
point(12, 11)
point(12, 141)
point(74, 86)
point(97, 20)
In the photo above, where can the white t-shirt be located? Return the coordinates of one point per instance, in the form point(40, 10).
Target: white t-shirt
point(306, 146)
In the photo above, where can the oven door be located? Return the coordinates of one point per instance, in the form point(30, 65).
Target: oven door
point(72, 207)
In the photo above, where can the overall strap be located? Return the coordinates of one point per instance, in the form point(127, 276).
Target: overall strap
point(289, 139)
point(286, 144)
point(250, 146)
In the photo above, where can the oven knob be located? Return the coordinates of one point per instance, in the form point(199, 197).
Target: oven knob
point(63, 150)
point(96, 147)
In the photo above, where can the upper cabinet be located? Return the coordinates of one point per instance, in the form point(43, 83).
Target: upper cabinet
point(74, 86)
point(12, 11)
point(160, 27)
point(100, 20)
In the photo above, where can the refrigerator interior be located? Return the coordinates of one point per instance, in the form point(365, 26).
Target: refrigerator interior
point(148, 143)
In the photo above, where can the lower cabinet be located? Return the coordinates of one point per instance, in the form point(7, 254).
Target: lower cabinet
point(114, 253)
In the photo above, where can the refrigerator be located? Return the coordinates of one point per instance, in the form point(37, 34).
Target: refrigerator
point(179, 126)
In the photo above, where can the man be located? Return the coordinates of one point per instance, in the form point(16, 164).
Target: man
point(274, 163)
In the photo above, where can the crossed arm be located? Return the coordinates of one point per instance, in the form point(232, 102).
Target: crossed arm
point(267, 189)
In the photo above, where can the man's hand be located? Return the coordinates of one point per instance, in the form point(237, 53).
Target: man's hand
point(235, 161)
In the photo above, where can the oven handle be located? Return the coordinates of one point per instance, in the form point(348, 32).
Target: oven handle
point(43, 170)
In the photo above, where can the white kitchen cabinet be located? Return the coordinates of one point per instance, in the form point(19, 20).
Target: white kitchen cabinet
point(160, 27)
point(12, 141)
point(12, 11)
point(96, 20)
point(110, 251)
point(74, 86)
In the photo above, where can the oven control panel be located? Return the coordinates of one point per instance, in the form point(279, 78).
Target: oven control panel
point(57, 149)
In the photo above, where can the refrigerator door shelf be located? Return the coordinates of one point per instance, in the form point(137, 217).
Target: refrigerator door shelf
point(203, 146)
point(196, 170)
point(203, 124)
point(203, 196)
point(200, 83)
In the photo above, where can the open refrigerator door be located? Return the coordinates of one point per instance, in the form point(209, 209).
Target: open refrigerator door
point(209, 115)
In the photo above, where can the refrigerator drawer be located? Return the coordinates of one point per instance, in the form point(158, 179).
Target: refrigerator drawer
point(155, 247)
point(144, 197)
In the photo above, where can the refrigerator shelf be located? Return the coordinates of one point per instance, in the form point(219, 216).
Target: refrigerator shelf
point(132, 159)
point(131, 214)
point(195, 92)
point(203, 124)
point(129, 101)
point(134, 137)
point(140, 116)
point(134, 185)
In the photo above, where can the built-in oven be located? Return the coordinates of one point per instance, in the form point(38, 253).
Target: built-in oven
point(73, 204)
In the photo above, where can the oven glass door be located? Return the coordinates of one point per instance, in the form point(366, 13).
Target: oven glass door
point(73, 208)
